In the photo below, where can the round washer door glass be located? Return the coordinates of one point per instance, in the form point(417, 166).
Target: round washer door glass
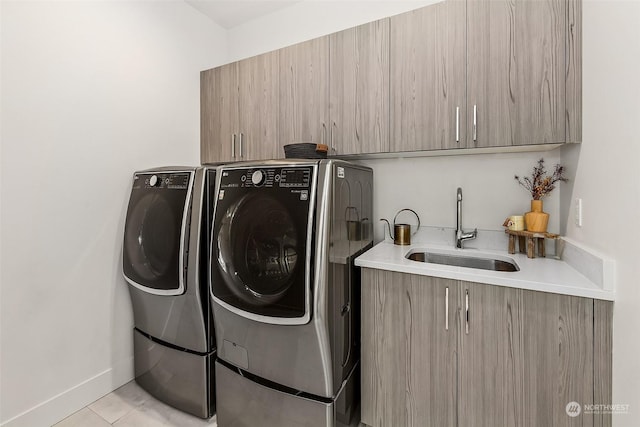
point(260, 251)
point(153, 232)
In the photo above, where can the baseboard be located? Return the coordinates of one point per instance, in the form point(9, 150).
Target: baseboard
point(77, 397)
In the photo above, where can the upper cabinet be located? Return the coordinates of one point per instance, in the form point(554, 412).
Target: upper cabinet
point(485, 73)
point(239, 110)
point(452, 75)
point(428, 78)
point(219, 113)
point(304, 92)
point(259, 108)
point(517, 72)
point(359, 89)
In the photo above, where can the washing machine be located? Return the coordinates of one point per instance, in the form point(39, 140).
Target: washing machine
point(164, 262)
point(286, 292)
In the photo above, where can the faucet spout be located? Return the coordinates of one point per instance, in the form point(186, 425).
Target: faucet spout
point(461, 236)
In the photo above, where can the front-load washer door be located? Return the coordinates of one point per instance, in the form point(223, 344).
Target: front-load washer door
point(261, 243)
point(156, 230)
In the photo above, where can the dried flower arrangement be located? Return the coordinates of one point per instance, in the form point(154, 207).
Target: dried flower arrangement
point(540, 184)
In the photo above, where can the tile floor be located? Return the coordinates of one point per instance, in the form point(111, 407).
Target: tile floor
point(131, 406)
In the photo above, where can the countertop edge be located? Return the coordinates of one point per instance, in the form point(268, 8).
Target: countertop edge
point(477, 276)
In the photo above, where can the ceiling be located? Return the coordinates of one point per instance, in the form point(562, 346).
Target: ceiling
point(229, 14)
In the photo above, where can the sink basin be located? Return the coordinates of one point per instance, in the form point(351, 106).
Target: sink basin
point(483, 263)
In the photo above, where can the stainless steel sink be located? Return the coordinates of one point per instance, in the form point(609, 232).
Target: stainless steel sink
point(483, 263)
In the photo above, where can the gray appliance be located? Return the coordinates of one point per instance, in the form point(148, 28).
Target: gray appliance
point(286, 292)
point(164, 262)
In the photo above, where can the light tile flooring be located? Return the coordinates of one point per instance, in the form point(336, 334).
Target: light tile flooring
point(131, 406)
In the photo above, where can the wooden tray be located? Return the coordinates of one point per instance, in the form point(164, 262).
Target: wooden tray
point(527, 241)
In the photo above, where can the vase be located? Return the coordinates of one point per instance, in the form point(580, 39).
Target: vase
point(536, 221)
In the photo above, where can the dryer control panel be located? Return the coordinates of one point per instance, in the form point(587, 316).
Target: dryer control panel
point(170, 180)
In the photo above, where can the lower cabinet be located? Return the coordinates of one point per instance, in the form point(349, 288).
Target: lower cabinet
point(451, 353)
point(408, 354)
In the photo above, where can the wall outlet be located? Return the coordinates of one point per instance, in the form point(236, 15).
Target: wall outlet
point(578, 212)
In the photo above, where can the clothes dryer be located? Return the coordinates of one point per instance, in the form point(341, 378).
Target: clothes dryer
point(164, 256)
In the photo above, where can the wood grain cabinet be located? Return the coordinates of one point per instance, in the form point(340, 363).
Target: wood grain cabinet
point(259, 107)
point(427, 51)
point(483, 73)
point(219, 113)
point(359, 89)
point(452, 353)
point(524, 356)
point(304, 92)
point(408, 350)
point(239, 110)
point(522, 60)
point(454, 74)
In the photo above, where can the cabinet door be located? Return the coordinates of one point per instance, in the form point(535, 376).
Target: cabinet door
point(259, 97)
point(524, 357)
point(516, 72)
point(304, 92)
point(428, 78)
point(219, 113)
point(408, 355)
point(359, 77)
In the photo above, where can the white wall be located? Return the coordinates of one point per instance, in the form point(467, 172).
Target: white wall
point(309, 19)
point(428, 186)
point(91, 91)
point(607, 175)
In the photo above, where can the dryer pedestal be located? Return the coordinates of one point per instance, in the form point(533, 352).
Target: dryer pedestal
point(176, 377)
point(241, 401)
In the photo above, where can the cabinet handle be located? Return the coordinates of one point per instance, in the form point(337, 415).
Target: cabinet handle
point(457, 124)
point(466, 306)
point(324, 134)
point(240, 145)
point(233, 146)
point(475, 122)
point(333, 147)
point(446, 308)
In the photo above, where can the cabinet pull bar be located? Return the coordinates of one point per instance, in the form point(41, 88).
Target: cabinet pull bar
point(324, 134)
point(475, 122)
point(233, 146)
point(457, 124)
point(446, 308)
point(333, 147)
point(466, 306)
point(240, 145)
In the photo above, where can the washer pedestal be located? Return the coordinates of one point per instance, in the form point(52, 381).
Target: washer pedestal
point(176, 377)
point(243, 402)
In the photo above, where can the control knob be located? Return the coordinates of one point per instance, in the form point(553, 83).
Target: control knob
point(258, 177)
point(153, 181)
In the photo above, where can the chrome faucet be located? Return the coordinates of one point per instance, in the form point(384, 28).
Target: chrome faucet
point(461, 236)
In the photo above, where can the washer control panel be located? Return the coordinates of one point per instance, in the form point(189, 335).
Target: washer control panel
point(295, 178)
point(267, 177)
point(258, 177)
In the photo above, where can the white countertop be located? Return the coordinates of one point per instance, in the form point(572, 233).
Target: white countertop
point(536, 274)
